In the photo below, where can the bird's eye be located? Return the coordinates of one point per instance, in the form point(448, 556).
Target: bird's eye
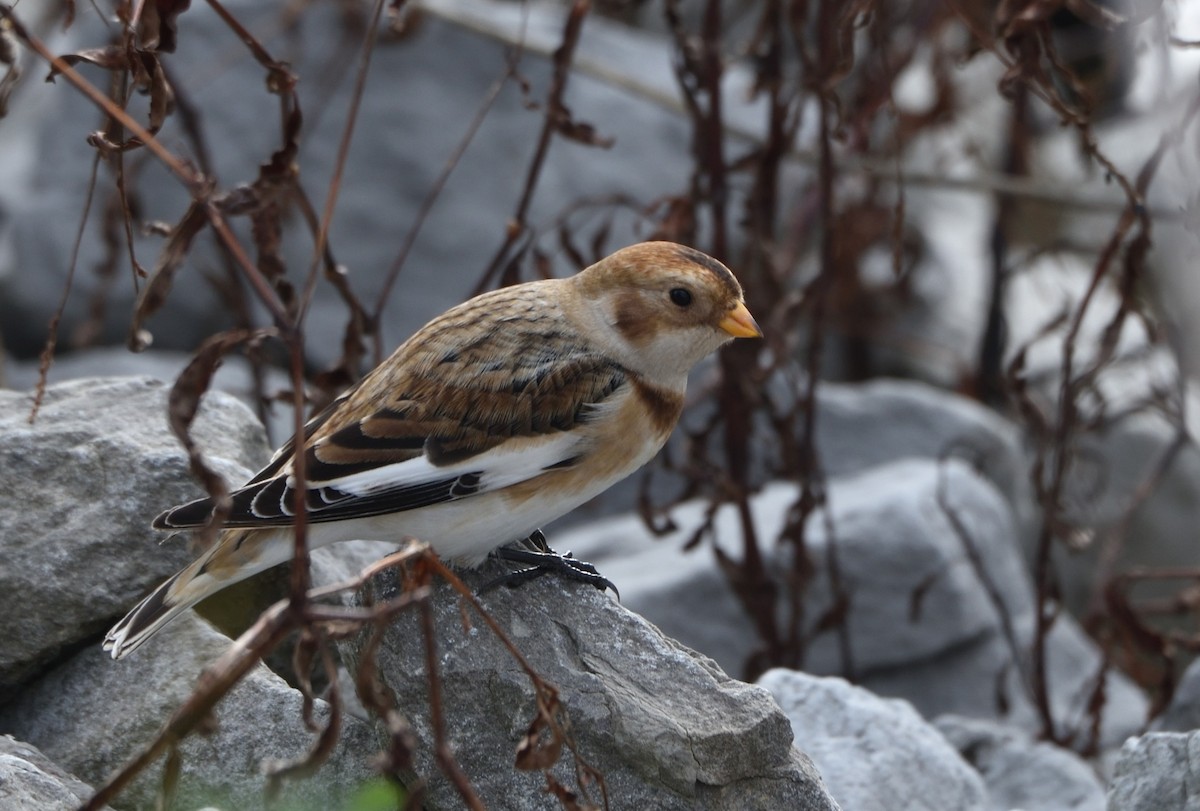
point(681, 297)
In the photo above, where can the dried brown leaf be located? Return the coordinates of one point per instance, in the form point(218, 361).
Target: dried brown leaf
point(307, 764)
point(111, 57)
point(542, 743)
point(580, 131)
point(183, 402)
point(155, 293)
point(162, 97)
point(159, 26)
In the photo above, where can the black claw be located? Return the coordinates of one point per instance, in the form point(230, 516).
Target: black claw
point(540, 559)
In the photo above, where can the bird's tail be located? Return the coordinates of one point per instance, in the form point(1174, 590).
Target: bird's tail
point(227, 562)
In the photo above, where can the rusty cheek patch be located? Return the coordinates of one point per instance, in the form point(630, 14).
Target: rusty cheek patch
point(662, 406)
point(634, 320)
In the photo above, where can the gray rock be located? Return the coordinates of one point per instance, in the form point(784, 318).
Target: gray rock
point(892, 538)
point(233, 377)
point(921, 624)
point(863, 425)
point(666, 728)
point(81, 485)
point(1183, 713)
point(115, 361)
point(874, 754)
point(1104, 485)
point(31, 782)
point(1020, 772)
point(259, 720)
point(914, 591)
point(1157, 771)
point(984, 679)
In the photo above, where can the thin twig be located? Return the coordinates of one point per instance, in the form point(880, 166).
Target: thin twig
point(431, 197)
point(339, 166)
point(47, 356)
point(554, 118)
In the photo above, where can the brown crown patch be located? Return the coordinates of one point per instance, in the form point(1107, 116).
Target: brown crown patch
point(714, 267)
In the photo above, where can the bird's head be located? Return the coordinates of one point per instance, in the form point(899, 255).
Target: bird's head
point(662, 307)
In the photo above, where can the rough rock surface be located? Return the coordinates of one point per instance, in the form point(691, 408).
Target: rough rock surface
point(81, 485)
point(92, 714)
point(874, 754)
point(664, 725)
point(235, 376)
point(929, 608)
point(1020, 772)
point(30, 782)
point(1158, 771)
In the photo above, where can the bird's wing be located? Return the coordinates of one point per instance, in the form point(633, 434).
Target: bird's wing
point(479, 418)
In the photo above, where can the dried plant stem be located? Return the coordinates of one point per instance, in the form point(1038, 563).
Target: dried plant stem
point(555, 117)
point(335, 183)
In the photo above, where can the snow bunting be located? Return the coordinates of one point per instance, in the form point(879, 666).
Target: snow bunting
point(502, 414)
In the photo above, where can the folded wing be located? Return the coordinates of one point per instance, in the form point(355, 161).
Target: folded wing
point(436, 432)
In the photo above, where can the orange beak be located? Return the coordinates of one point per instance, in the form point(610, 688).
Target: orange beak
point(740, 324)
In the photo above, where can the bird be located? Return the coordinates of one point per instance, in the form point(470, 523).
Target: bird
point(503, 413)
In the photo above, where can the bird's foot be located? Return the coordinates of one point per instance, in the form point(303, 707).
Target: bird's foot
point(539, 559)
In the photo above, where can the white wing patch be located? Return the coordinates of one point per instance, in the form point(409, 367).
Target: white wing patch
point(497, 468)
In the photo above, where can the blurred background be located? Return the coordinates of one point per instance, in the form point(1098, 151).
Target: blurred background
point(991, 202)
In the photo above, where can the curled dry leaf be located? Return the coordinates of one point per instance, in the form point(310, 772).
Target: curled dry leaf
point(111, 57)
point(159, 26)
point(183, 403)
point(567, 798)
point(162, 97)
point(154, 294)
point(147, 75)
point(543, 741)
point(307, 764)
point(303, 656)
point(580, 131)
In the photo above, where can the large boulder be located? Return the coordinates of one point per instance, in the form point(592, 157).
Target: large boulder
point(874, 754)
point(1157, 771)
point(664, 725)
point(864, 425)
point(81, 484)
point(29, 781)
point(1021, 772)
point(859, 426)
point(235, 376)
point(259, 721)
